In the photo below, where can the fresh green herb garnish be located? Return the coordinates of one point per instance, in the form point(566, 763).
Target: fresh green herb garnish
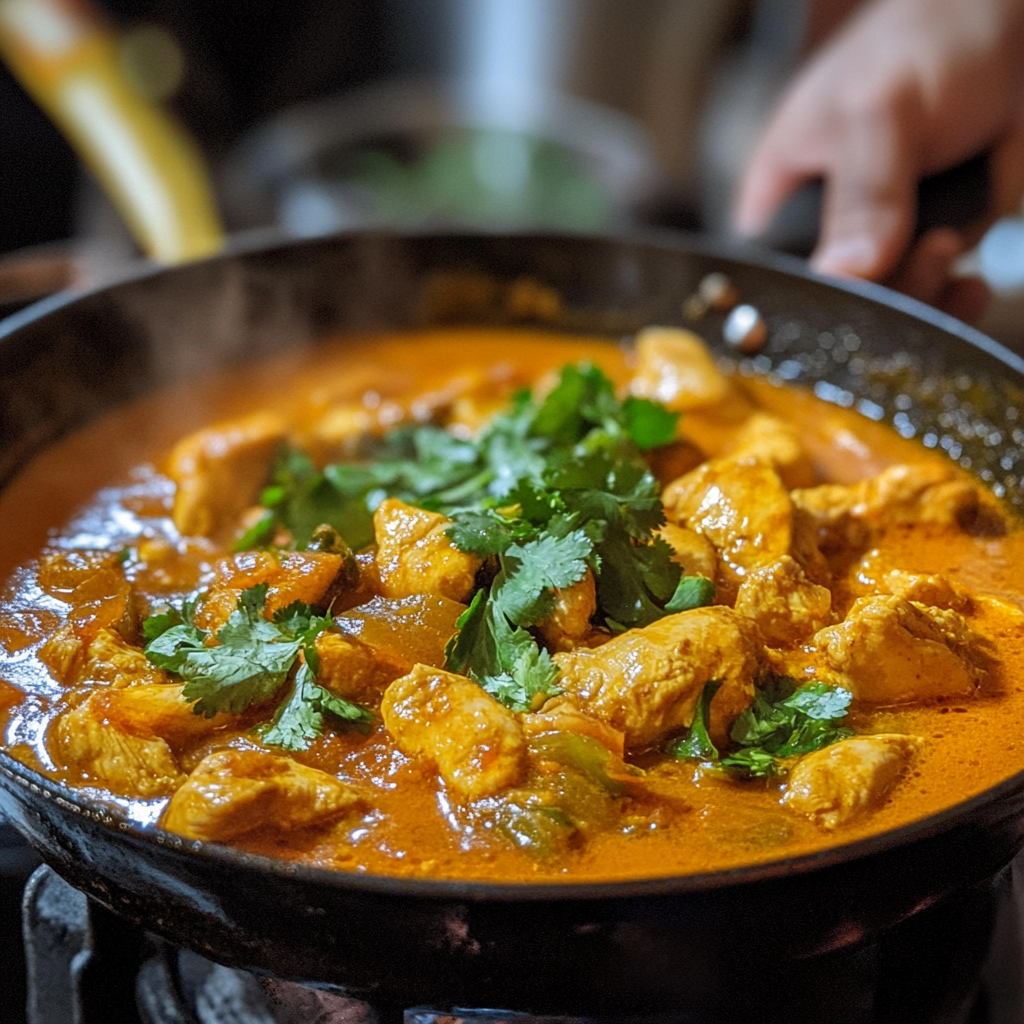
point(249, 664)
point(696, 745)
point(299, 499)
point(784, 721)
point(548, 490)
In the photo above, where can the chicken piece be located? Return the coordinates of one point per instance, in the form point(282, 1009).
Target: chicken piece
point(83, 742)
point(846, 515)
point(157, 710)
point(569, 622)
point(346, 431)
point(65, 654)
point(219, 471)
point(61, 571)
point(694, 552)
point(674, 367)
point(313, 577)
point(477, 744)
point(357, 671)
point(923, 588)
point(414, 556)
point(646, 682)
point(833, 785)
point(890, 651)
point(481, 396)
point(561, 714)
point(774, 441)
point(114, 662)
point(784, 602)
point(743, 509)
point(232, 792)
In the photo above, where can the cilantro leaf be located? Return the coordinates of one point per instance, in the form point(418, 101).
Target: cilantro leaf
point(539, 567)
point(168, 649)
point(696, 745)
point(486, 533)
point(249, 664)
point(784, 721)
point(300, 498)
point(300, 719)
point(504, 659)
point(692, 592)
point(649, 423)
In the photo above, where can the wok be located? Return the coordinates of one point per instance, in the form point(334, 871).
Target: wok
point(890, 928)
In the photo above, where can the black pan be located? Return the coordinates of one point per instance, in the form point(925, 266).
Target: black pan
point(891, 928)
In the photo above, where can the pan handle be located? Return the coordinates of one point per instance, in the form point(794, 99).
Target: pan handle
point(958, 198)
point(64, 54)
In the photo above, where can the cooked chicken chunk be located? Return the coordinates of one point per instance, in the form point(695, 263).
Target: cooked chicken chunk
point(312, 577)
point(674, 367)
point(357, 671)
point(922, 588)
point(233, 792)
point(646, 682)
point(64, 654)
point(693, 551)
point(346, 430)
point(84, 742)
point(105, 658)
point(783, 602)
point(62, 571)
point(476, 743)
point(113, 661)
point(845, 516)
point(890, 651)
point(833, 785)
point(743, 509)
point(570, 621)
point(774, 441)
point(219, 471)
point(156, 710)
point(414, 556)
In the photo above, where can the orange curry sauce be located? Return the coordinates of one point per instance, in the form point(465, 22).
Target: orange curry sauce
point(103, 486)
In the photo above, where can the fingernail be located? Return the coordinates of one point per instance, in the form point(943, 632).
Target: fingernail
point(853, 256)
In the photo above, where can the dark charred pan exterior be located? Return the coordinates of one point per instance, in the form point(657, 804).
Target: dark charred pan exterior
point(892, 928)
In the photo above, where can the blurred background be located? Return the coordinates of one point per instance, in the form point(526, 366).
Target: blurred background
point(590, 115)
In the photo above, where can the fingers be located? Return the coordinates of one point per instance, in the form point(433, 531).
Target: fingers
point(870, 197)
point(966, 298)
point(927, 274)
point(767, 183)
point(927, 270)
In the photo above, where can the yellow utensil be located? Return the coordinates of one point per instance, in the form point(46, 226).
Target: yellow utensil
point(64, 54)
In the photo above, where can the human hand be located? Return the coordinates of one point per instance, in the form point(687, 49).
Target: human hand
point(907, 88)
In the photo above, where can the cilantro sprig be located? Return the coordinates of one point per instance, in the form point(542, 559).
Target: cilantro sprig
point(548, 490)
point(249, 664)
point(299, 499)
point(784, 721)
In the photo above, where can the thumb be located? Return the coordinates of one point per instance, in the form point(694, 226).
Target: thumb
point(870, 201)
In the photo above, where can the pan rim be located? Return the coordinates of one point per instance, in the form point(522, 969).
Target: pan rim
point(107, 816)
